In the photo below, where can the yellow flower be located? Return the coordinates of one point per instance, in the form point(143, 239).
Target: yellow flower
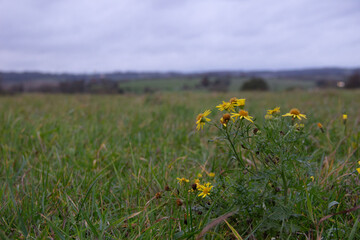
point(312, 178)
point(205, 189)
point(344, 116)
point(242, 114)
point(211, 174)
point(273, 111)
point(199, 175)
point(295, 113)
point(227, 106)
point(201, 119)
point(358, 170)
point(237, 102)
point(240, 102)
point(182, 180)
point(197, 181)
point(225, 119)
point(359, 162)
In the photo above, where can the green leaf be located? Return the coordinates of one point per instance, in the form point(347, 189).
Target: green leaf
point(333, 203)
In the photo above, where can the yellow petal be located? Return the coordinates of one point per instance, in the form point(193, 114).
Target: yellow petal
point(249, 119)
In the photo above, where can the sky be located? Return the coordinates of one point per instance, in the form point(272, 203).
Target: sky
point(177, 35)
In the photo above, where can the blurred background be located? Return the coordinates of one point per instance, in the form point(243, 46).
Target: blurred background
point(132, 46)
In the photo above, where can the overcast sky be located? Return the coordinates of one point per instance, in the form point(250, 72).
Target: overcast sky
point(180, 35)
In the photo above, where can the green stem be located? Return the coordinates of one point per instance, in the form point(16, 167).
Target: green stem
point(234, 150)
point(285, 186)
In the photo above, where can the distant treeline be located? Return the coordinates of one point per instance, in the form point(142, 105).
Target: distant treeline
point(332, 74)
point(101, 86)
point(213, 82)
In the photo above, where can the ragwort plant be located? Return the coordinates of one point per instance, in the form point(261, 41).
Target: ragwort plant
point(276, 191)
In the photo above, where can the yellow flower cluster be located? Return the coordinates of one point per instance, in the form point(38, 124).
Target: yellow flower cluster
point(234, 106)
point(204, 189)
point(358, 169)
point(235, 110)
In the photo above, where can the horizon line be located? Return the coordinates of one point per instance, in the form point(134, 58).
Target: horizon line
point(181, 72)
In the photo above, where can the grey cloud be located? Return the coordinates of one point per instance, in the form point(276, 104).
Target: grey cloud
point(109, 35)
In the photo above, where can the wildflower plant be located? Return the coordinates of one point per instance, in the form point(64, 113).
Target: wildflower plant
point(276, 166)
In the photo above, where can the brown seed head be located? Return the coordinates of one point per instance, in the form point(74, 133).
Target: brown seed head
point(167, 188)
point(226, 117)
point(194, 186)
point(179, 202)
point(158, 195)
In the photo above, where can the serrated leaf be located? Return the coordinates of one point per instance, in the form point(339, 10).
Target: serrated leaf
point(280, 213)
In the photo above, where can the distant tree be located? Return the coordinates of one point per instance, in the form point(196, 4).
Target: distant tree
point(103, 86)
point(120, 90)
point(16, 88)
point(353, 81)
point(322, 83)
point(221, 84)
point(186, 87)
point(75, 86)
point(255, 83)
point(148, 90)
point(205, 82)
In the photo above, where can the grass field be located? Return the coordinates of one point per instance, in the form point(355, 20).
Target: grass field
point(96, 167)
point(171, 85)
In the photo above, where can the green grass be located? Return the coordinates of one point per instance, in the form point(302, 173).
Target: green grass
point(89, 166)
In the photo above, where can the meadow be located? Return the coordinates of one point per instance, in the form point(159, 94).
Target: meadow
point(177, 84)
point(108, 167)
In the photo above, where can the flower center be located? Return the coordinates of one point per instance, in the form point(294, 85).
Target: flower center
point(243, 113)
point(200, 116)
point(226, 117)
point(206, 190)
point(295, 111)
